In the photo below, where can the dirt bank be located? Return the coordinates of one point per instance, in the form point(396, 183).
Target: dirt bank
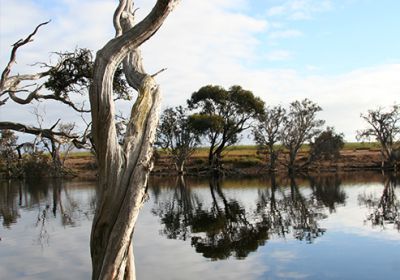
point(84, 165)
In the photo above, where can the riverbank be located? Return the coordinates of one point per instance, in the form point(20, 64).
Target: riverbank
point(243, 160)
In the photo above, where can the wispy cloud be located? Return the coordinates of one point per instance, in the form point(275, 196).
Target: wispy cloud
point(299, 9)
point(284, 34)
point(279, 55)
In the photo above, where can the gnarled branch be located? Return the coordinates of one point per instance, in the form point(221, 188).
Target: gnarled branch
point(13, 56)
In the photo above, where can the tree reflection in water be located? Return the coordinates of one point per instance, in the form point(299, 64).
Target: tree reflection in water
point(384, 210)
point(50, 198)
point(327, 191)
point(291, 211)
point(227, 227)
point(224, 227)
point(9, 204)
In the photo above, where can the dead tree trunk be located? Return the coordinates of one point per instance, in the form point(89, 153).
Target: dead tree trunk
point(123, 169)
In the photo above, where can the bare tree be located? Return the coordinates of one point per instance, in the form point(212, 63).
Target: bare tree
point(123, 169)
point(176, 136)
point(55, 138)
point(384, 127)
point(9, 84)
point(300, 126)
point(72, 71)
point(267, 132)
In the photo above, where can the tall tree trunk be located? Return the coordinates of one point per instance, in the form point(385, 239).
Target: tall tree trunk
point(123, 169)
point(180, 164)
point(55, 156)
point(291, 166)
point(272, 158)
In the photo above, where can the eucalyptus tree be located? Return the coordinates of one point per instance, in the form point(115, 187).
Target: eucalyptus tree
point(384, 127)
point(222, 115)
point(176, 136)
point(267, 132)
point(300, 126)
point(123, 168)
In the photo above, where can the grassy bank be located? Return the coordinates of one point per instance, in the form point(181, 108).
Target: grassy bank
point(245, 158)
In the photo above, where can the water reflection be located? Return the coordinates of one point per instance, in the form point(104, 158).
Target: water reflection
point(328, 191)
point(50, 198)
point(220, 226)
point(291, 211)
point(261, 228)
point(383, 210)
point(9, 204)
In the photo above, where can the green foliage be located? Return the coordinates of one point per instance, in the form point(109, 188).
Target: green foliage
point(73, 73)
point(37, 165)
point(222, 115)
point(8, 155)
point(267, 132)
point(384, 127)
point(176, 135)
point(327, 145)
point(300, 126)
point(201, 123)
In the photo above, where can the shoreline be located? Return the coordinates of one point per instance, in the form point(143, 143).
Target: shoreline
point(357, 160)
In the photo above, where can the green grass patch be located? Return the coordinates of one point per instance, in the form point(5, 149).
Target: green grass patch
point(361, 146)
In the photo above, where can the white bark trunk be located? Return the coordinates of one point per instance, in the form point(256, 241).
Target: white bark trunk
point(123, 170)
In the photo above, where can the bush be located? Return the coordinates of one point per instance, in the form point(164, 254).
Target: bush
point(37, 165)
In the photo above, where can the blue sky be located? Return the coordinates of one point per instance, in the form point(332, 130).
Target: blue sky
point(337, 36)
point(343, 54)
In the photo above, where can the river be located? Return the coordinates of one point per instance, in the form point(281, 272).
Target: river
point(326, 227)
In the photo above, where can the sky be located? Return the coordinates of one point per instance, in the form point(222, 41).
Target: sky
point(342, 54)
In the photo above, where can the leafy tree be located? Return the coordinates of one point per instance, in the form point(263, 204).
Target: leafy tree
point(267, 132)
point(8, 155)
point(222, 116)
point(300, 126)
point(326, 146)
point(176, 135)
point(384, 127)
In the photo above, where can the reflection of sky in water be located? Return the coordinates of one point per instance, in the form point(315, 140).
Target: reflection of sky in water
point(350, 248)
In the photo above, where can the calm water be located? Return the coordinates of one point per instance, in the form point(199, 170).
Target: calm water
point(319, 228)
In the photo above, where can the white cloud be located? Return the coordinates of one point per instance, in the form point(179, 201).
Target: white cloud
point(279, 55)
point(300, 9)
point(214, 48)
point(283, 34)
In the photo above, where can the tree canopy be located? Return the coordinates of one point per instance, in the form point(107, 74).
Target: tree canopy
point(222, 115)
point(300, 126)
point(384, 127)
point(175, 134)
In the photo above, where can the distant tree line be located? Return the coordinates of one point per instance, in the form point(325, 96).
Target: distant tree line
point(216, 117)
